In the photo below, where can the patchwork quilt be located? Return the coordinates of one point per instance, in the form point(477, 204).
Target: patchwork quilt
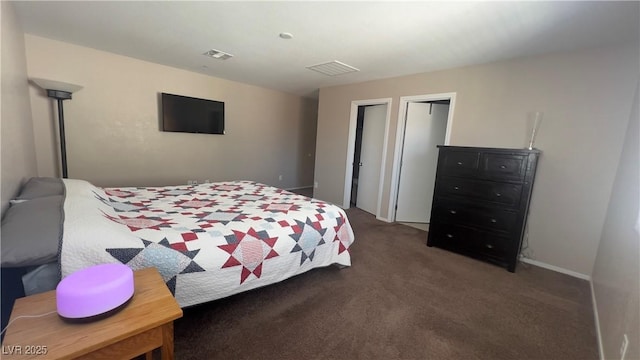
point(208, 241)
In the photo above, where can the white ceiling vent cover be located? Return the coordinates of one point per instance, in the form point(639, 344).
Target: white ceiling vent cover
point(333, 68)
point(217, 54)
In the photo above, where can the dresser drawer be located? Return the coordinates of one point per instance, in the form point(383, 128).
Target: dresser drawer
point(469, 241)
point(500, 193)
point(458, 163)
point(489, 218)
point(503, 166)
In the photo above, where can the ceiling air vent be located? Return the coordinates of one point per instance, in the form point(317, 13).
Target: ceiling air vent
point(333, 68)
point(217, 54)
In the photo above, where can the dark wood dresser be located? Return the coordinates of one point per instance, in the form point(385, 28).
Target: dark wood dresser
point(481, 200)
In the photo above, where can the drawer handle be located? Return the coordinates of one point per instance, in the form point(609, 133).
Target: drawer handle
point(456, 188)
point(449, 236)
point(453, 212)
point(489, 246)
point(494, 221)
point(459, 162)
point(503, 167)
point(498, 194)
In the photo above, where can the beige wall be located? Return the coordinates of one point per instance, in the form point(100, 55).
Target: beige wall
point(616, 275)
point(18, 155)
point(585, 96)
point(307, 145)
point(112, 124)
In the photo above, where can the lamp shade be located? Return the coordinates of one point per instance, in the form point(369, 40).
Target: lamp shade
point(56, 85)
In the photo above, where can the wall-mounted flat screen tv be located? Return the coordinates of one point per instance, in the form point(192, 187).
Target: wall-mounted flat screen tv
point(192, 115)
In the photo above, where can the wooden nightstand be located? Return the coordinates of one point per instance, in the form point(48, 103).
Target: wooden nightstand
point(145, 324)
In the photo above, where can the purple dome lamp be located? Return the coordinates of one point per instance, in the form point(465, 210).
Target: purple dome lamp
point(94, 293)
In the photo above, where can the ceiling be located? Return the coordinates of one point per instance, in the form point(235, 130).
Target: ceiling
point(381, 39)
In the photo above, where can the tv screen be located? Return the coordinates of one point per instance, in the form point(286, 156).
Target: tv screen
point(192, 115)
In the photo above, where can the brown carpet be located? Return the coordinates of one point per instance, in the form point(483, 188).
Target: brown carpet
point(399, 300)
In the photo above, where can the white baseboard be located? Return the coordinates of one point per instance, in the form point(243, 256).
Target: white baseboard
point(299, 187)
point(597, 320)
point(383, 219)
point(556, 268)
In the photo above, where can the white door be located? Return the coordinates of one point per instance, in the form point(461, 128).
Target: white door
point(426, 127)
point(371, 158)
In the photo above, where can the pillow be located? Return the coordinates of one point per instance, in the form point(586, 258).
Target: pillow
point(31, 232)
point(38, 187)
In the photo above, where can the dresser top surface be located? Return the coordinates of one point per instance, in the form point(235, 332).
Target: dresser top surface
point(502, 150)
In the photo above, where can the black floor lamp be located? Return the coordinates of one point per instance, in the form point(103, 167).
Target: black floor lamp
point(59, 91)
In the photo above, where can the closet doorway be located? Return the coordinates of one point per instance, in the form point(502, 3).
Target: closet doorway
point(425, 124)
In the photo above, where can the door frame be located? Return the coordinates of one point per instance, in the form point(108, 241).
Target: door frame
point(353, 123)
point(401, 126)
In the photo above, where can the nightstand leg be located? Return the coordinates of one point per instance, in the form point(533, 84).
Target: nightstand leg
point(167, 341)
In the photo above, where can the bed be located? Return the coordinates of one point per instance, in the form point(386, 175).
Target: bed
point(208, 241)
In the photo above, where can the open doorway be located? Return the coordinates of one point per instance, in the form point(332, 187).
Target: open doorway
point(424, 123)
point(366, 153)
